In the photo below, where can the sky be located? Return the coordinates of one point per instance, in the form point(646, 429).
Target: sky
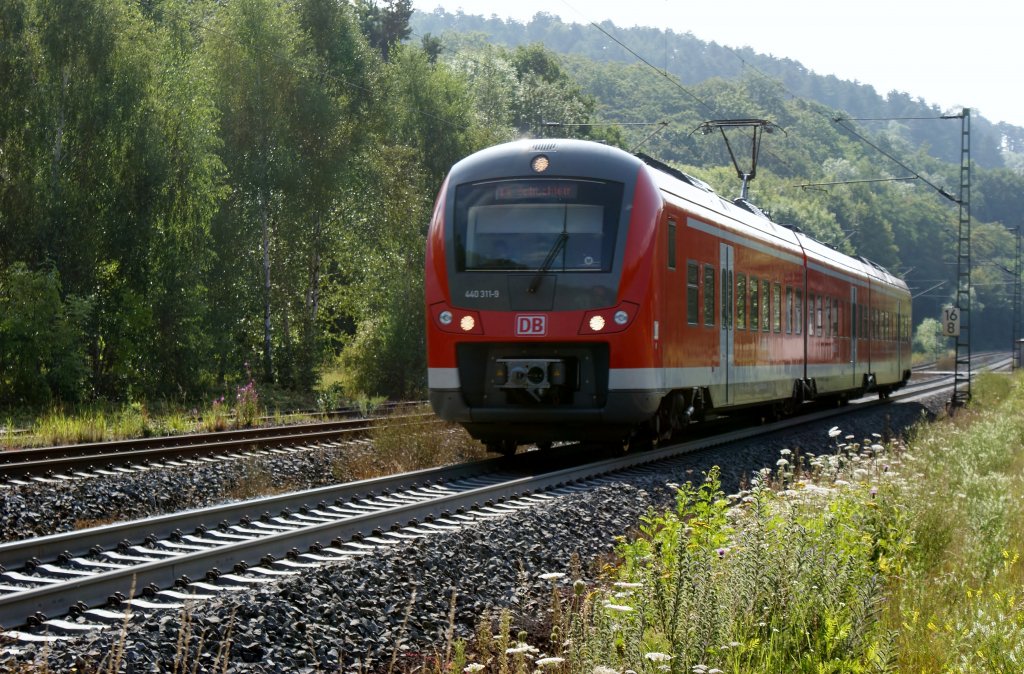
point(951, 54)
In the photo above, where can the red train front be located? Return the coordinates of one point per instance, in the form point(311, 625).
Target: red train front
point(536, 295)
point(577, 292)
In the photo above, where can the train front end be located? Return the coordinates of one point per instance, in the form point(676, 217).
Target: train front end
point(538, 298)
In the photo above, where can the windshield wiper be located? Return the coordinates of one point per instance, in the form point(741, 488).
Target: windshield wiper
point(548, 261)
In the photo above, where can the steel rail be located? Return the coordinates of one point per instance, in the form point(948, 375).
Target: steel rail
point(46, 462)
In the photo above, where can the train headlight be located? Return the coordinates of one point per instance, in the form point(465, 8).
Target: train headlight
point(540, 164)
point(610, 320)
point(456, 321)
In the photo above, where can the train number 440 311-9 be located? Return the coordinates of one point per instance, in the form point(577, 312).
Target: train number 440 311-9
point(484, 294)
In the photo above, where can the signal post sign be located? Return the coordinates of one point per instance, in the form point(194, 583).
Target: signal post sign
point(951, 321)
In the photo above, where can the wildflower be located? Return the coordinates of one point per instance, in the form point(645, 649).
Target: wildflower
point(658, 657)
point(521, 648)
point(722, 552)
point(877, 448)
point(785, 452)
point(782, 462)
point(544, 662)
point(834, 432)
point(874, 492)
point(619, 608)
point(628, 585)
point(601, 669)
point(552, 576)
point(473, 667)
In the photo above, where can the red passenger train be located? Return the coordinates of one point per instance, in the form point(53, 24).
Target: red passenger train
point(578, 292)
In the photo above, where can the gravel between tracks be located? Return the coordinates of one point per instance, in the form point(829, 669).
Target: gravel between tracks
point(351, 615)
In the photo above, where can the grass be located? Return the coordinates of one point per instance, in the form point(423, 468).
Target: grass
point(404, 441)
point(244, 407)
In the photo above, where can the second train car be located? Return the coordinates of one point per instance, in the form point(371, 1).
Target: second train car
point(575, 291)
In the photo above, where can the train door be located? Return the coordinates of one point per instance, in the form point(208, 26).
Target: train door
point(726, 343)
point(898, 337)
point(853, 333)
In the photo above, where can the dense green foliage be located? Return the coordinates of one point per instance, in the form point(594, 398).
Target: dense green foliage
point(192, 189)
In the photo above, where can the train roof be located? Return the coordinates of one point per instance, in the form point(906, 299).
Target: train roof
point(755, 222)
point(700, 198)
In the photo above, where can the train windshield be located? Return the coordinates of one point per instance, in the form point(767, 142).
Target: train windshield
point(531, 225)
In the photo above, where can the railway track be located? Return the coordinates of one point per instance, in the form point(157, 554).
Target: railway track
point(83, 460)
point(88, 579)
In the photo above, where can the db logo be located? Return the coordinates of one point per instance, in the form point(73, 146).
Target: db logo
point(536, 326)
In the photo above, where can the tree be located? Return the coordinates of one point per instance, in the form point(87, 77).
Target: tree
point(385, 26)
point(254, 53)
point(42, 353)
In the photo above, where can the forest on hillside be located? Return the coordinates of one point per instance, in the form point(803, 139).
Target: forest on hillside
point(196, 193)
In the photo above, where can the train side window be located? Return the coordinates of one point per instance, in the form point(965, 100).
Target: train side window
point(709, 295)
point(741, 301)
point(789, 310)
point(828, 317)
point(810, 314)
point(798, 320)
point(818, 327)
point(765, 306)
point(835, 316)
point(755, 305)
point(692, 287)
point(777, 307)
point(671, 244)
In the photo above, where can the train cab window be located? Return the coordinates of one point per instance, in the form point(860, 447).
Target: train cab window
point(765, 306)
point(671, 244)
point(798, 320)
point(692, 292)
point(709, 295)
point(789, 310)
point(741, 301)
point(755, 306)
point(777, 307)
point(560, 225)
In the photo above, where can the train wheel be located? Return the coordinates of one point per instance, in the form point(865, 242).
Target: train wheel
point(503, 447)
